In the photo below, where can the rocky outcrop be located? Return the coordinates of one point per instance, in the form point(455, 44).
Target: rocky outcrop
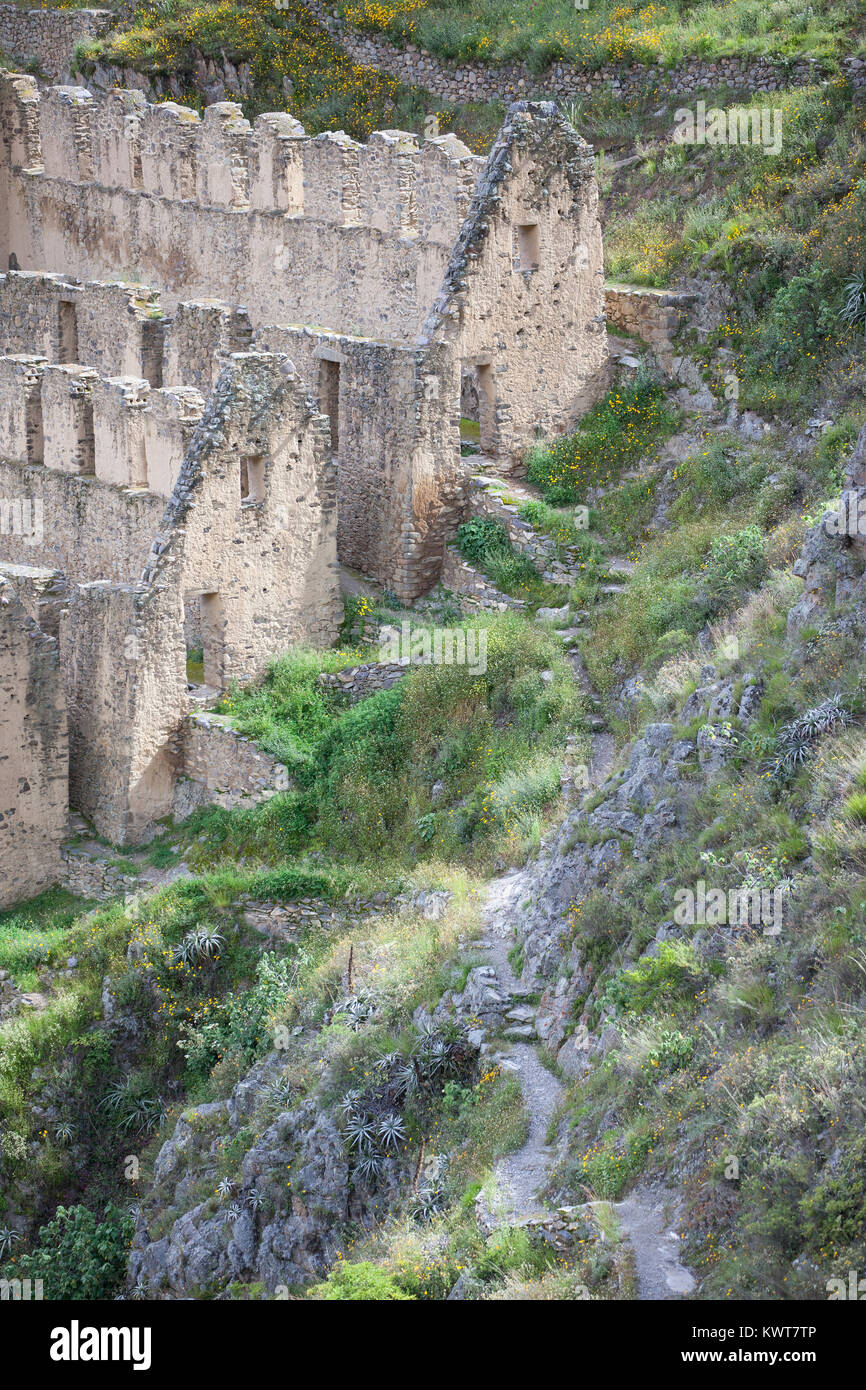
point(277, 1220)
point(641, 805)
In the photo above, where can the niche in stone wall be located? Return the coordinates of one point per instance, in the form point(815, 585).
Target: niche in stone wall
point(252, 480)
point(329, 398)
point(67, 332)
point(33, 429)
point(213, 640)
point(527, 246)
point(478, 393)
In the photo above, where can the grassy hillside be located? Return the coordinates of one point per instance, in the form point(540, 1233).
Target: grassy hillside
point(604, 31)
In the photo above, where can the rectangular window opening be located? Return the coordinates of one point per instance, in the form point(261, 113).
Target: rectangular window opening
point(527, 246)
point(252, 479)
point(67, 345)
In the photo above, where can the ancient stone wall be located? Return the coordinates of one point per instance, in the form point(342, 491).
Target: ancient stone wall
point(353, 236)
point(348, 245)
point(34, 754)
point(654, 316)
point(224, 767)
point(123, 657)
point(48, 37)
point(117, 328)
point(250, 529)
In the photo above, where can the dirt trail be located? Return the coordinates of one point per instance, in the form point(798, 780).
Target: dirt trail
point(520, 1176)
point(647, 1216)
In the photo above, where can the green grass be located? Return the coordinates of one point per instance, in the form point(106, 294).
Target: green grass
point(37, 933)
point(544, 31)
point(365, 774)
point(628, 424)
point(784, 233)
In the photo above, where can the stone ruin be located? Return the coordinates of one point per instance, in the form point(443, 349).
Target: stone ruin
point(233, 359)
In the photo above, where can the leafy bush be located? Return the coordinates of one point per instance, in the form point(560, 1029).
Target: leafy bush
point(736, 562)
point(361, 1281)
point(485, 542)
point(78, 1256)
point(657, 983)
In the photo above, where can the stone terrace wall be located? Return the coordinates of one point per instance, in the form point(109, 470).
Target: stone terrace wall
point(476, 81)
point(224, 767)
point(302, 230)
point(48, 36)
point(654, 316)
point(34, 755)
point(356, 683)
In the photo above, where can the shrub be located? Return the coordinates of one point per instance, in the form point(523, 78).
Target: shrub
point(78, 1256)
point(361, 1281)
point(736, 562)
point(485, 542)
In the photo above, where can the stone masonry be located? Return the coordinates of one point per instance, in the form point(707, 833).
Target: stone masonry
point(34, 754)
point(184, 454)
point(385, 270)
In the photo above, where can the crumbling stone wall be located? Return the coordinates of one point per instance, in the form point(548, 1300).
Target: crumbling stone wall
point(353, 236)
point(34, 754)
point(265, 562)
point(48, 36)
point(224, 767)
point(124, 662)
point(350, 245)
point(654, 316)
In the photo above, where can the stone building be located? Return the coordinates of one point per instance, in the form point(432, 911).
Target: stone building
point(385, 270)
point(231, 355)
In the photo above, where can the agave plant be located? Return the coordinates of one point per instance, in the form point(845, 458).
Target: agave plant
point(356, 1008)
point(427, 1202)
point(9, 1238)
point(139, 1290)
point(232, 1214)
point(389, 1061)
point(794, 744)
point(225, 1188)
point(391, 1130)
point(64, 1133)
point(253, 1198)
point(201, 944)
point(134, 1110)
point(278, 1092)
point(349, 1103)
point(369, 1167)
point(360, 1132)
point(853, 311)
